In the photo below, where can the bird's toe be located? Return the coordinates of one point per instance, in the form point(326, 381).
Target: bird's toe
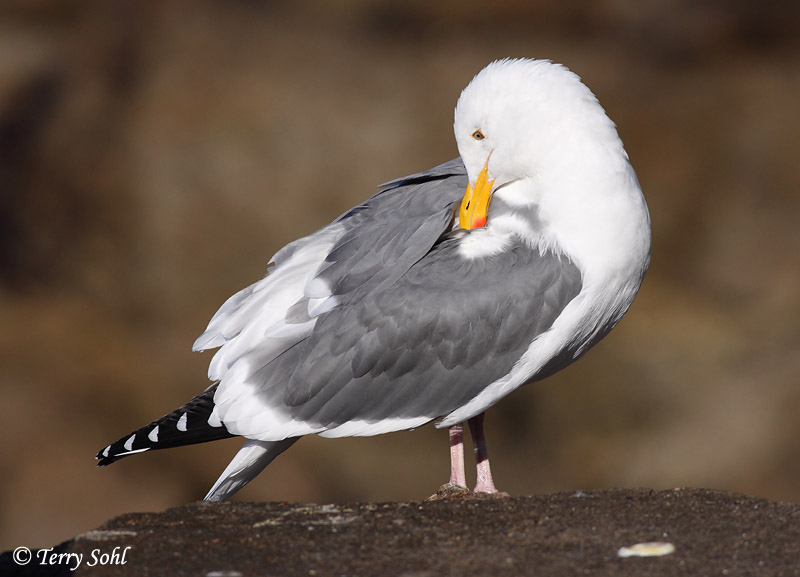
point(450, 491)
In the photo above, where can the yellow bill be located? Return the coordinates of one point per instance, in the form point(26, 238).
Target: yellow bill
point(475, 205)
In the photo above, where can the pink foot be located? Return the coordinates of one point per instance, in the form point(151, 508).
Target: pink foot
point(484, 484)
point(458, 477)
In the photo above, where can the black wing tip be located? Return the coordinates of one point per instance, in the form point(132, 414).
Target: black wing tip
point(105, 461)
point(112, 452)
point(103, 457)
point(186, 425)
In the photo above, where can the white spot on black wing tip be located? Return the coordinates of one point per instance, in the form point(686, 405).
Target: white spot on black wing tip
point(129, 443)
point(106, 451)
point(153, 435)
point(132, 452)
point(182, 422)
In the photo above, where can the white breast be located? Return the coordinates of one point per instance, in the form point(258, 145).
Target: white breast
point(599, 220)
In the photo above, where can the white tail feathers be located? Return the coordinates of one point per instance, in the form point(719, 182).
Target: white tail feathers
point(248, 462)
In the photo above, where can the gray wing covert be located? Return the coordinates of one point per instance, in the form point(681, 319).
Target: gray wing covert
point(425, 344)
point(390, 231)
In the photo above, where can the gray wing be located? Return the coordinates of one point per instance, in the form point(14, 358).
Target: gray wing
point(368, 245)
point(391, 231)
point(392, 327)
point(425, 344)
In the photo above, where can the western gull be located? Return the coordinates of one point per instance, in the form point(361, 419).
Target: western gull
point(427, 302)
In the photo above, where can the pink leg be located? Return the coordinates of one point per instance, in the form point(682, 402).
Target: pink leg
point(457, 475)
point(484, 483)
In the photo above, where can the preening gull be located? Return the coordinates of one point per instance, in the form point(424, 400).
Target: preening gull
point(439, 295)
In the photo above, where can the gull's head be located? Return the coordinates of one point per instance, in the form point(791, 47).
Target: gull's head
point(519, 119)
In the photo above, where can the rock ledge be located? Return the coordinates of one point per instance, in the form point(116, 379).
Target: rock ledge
point(560, 534)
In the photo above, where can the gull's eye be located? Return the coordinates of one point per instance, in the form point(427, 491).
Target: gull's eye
point(478, 135)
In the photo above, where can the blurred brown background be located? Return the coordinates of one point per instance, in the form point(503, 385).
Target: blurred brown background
point(153, 155)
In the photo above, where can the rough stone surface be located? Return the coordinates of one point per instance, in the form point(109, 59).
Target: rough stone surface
point(714, 533)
